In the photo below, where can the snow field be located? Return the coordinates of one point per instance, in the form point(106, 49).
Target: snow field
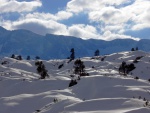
point(104, 91)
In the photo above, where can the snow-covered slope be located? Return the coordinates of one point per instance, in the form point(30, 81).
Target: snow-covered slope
point(103, 91)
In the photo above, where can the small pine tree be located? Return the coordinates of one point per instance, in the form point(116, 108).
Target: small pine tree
point(79, 68)
point(129, 67)
point(12, 56)
point(60, 66)
point(72, 56)
point(28, 57)
point(96, 53)
point(144, 99)
point(137, 49)
point(136, 78)
point(125, 69)
point(19, 57)
point(41, 69)
point(37, 57)
point(38, 63)
point(147, 103)
point(132, 49)
point(122, 68)
point(72, 83)
point(44, 74)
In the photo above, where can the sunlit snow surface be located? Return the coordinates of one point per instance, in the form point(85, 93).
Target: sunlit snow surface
point(103, 91)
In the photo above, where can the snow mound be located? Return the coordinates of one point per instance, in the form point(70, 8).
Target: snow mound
point(103, 91)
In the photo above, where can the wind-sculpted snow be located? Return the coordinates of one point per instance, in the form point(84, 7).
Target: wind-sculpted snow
point(103, 91)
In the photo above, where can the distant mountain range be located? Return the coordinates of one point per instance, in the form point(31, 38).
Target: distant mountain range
point(24, 42)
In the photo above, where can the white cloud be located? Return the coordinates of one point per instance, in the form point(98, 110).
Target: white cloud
point(40, 26)
point(92, 5)
point(83, 31)
point(104, 13)
point(113, 18)
point(115, 12)
point(3, 1)
point(6, 24)
point(43, 27)
point(109, 15)
point(141, 26)
point(62, 15)
point(108, 35)
point(119, 29)
point(82, 5)
point(115, 2)
point(138, 13)
point(42, 16)
point(15, 6)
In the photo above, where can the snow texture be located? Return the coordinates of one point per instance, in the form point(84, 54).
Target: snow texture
point(103, 91)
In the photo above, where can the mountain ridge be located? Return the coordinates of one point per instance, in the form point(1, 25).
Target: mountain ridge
point(24, 42)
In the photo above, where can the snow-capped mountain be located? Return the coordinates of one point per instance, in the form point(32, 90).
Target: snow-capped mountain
point(105, 90)
point(23, 42)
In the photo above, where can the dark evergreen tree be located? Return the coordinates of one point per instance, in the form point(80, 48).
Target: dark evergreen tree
point(125, 69)
point(19, 57)
point(136, 78)
point(122, 68)
point(28, 57)
point(96, 53)
point(37, 57)
point(38, 63)
point(72, 56)
point(12, 56)
point(147, 103)
point(41, 69)
point(132, 49)
point(72, 83)
point(144, 99)
point(129, 68)
point(137, 49)
point(44, 74)
point(60, 66)
point(137, 59)
point(55, 100)
point(79, 68)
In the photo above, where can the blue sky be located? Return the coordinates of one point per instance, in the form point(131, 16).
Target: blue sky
point(96, 19)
